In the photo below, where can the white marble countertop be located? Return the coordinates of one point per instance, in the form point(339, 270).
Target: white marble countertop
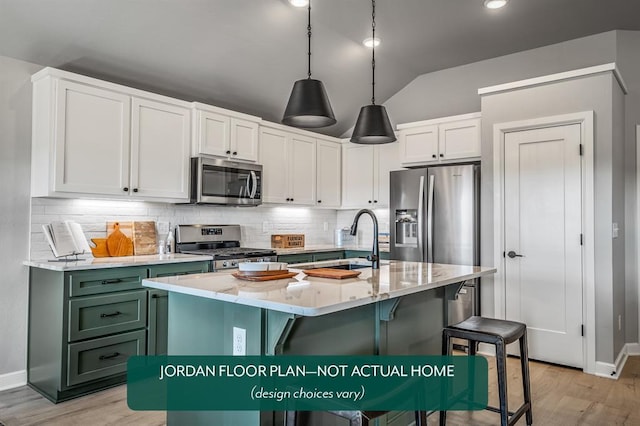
point(309, 296)
point(314, 248)
point(114, 262)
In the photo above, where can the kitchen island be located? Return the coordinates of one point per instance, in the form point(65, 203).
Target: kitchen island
point(399, 309)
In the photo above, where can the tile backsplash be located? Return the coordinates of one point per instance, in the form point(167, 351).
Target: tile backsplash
point(257, 223)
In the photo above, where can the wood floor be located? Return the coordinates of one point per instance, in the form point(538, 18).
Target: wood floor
point(561, 396)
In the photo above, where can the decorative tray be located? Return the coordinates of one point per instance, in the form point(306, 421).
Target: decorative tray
point(264, 275)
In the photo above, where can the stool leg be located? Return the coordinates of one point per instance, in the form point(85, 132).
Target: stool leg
point(421, 418)
point(446, 350)
point(524, 363)
point(290, 418)
point(501, 364)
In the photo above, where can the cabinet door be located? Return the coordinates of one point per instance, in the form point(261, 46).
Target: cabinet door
point(244, 140)
point(460, 139)
point(158, 322)
point(357, 175)
point(274, 158)
point(419, 145)
point(302, 170)
point(213, 134)
point(160, 150)
point(386, 159)
point(328, 169)
point(92, 140)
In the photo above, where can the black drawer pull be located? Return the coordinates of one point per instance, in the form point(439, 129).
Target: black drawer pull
point(105, 357)
point(114, 281)
point(115, 314)
point(157, 296)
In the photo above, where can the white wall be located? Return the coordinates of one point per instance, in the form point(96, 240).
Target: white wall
point(15, 156)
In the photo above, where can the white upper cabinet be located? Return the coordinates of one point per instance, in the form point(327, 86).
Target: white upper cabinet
point(445, 139)
point(97, 139)
point(223, 133)
point(160, 141)
point(365, 174)
point(328, 173)
point(289, 167)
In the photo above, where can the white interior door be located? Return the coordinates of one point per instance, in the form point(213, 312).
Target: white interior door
point(543, 225)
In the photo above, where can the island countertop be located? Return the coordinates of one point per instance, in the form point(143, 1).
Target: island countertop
point(115, 262)
point(311, 296)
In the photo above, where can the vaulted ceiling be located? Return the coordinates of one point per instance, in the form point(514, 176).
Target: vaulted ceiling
point(245, 54)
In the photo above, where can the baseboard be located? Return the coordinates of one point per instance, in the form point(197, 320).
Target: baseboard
point(632, 348)
point(13, 380)
point(606, 369)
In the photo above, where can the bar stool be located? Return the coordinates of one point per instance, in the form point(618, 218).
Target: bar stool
point(499, 333)
point(356, 418)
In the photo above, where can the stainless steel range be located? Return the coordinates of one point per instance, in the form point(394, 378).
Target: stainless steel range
point(220, 241)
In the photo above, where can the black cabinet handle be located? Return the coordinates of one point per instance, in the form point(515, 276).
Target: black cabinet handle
point(157, 296)
point(228, 152)
point(369, 201)
point(235, 152)
point(441, 155)
point(125, 189)
point(114, 281)
point(135, 189)
point(115, 314)
point(319, 201)
point(292, 199)
point(433, 156)
point(111, 356)
point(375, 201)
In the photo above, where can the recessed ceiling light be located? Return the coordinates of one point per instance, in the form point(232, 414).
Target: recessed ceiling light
point(371, 42)
point(299, 3)
point(495, 4)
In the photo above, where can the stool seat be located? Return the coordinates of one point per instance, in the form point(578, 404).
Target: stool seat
point(509, 331)
point(499, 333)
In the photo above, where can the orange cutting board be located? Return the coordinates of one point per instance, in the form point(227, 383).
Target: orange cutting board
point(338, 274)
point(144, 238)
point(125, 227)
point(100, 250)
point(118, 244)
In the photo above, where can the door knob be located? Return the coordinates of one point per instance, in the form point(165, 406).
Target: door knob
point(513, 254)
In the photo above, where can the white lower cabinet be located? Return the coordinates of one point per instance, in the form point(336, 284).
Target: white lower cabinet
point(289, 167)
point(97, 139)
point(365, 174)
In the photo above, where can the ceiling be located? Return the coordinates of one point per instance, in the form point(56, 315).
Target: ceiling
point(245, 54)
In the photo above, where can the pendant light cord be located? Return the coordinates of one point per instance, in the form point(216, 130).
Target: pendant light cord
point(373, 52)
point(309, 36)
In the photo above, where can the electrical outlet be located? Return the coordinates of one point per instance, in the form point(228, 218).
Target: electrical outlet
point(619, 322)
point(239, 341)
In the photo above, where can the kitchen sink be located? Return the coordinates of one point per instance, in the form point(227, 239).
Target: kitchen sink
point(348, 266)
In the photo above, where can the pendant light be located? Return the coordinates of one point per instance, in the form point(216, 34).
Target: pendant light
point(308, 104)
point(373, 125)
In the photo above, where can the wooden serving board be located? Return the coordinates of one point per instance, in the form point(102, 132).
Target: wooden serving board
point(144, 238)
point(118, 244)
point(100, 250)
point(338, 274)
point(125, 227)
point(242, 276)
point(262, 273)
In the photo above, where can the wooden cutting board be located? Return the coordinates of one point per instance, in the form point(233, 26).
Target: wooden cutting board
point(100, 250)
point(118, 244)
point(125, 227)
point(338, 274)
point(145, 240)
point(242, 276)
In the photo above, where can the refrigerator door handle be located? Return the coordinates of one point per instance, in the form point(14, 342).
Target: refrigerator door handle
point(421, 218)
point(430, 219)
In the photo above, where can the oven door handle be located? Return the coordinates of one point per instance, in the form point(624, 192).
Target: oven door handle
point(254, 187)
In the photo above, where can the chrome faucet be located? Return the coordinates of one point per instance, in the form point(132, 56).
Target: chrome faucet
point(375, 254)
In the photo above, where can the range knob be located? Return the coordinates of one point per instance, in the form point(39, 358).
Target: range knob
point(225, 264)
point(234, 263)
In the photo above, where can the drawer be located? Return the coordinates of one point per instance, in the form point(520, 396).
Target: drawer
point(96, 281)
point(178, 269)
point(296, 258)
point(101, 358)
point(96, 316)
point(329, 255)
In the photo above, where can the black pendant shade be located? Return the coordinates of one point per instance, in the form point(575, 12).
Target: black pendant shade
point(308, 105)
point(373, 126)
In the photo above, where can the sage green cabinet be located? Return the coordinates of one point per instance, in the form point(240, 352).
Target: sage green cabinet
point(311, 256)
point(364, 253)
point(292, 259)
point(85, 324)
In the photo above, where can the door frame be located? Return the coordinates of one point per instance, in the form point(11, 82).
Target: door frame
point(585, 119)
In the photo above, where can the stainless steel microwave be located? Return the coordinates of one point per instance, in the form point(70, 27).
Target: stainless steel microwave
point(230, 183)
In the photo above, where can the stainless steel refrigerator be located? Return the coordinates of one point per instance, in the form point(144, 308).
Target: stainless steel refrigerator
point(435, 217)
